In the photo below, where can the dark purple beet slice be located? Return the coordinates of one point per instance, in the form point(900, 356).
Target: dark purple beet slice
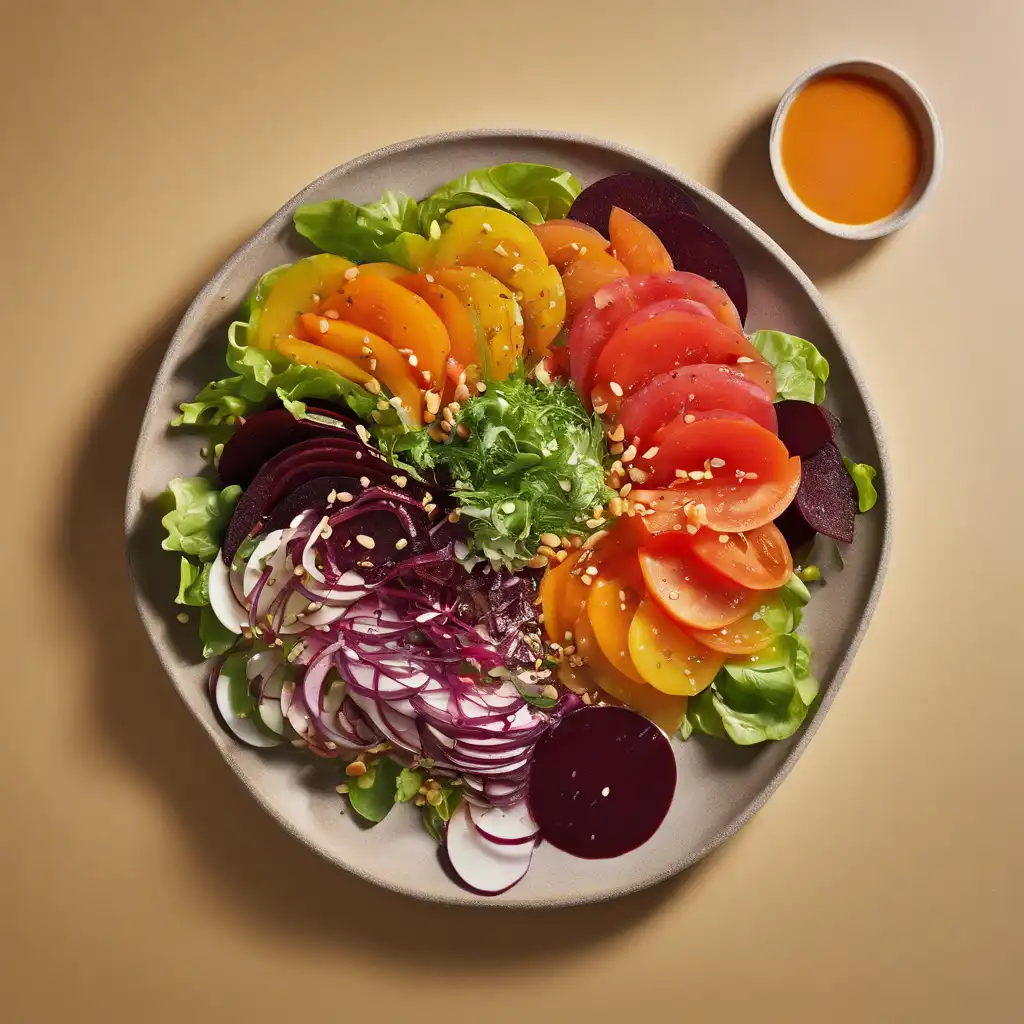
point(804, 428)
point(341, 455)
point(694, 247)
point(643, 195)
point(827, 499)
point(265, 434)
point(311, 494)
point(795, 528)
point(580, 791)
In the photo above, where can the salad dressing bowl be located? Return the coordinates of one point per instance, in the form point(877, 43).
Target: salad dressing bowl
point(719, 786)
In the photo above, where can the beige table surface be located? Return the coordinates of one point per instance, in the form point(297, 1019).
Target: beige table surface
point(142, 142)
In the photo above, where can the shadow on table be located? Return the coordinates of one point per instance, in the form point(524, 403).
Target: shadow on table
point(244, 856)
point(746, 180)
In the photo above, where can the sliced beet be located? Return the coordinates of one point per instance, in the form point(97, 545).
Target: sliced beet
point(797, 531)
point(265, 434)
point(340, 455)
point(643, 195)
point(694, 247)
point(827, 499)
point(580, 791)
point(804, 427)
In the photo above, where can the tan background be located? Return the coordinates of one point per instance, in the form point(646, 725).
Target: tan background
point(141, 143)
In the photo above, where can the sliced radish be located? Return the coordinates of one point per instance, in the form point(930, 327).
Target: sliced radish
point(485, 867)
point(229, 693)
point(508, 826)
point(225, 605)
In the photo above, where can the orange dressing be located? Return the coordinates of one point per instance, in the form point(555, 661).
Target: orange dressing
point(850, 149)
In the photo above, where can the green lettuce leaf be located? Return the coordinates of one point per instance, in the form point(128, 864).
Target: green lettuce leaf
point(373, 795)
point(193, 584)
point(533, 192)
point(216, 638)
point(195, 525)
point(800, 369)
point(863, 477)
point(785, 612)
point(261, 375)
point(763, 697)
point(380, 231)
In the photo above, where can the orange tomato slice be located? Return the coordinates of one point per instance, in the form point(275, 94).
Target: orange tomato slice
point(586, 275)
point(746, 635)
point(567, 240)
point(397, 315)
point(636, 246)
point(375, 355)
point(611, 607)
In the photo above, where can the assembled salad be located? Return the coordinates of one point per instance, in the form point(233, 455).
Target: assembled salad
point(502, 501)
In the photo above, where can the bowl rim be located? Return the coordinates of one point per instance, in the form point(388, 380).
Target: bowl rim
point(156, 408)
point(927, 123)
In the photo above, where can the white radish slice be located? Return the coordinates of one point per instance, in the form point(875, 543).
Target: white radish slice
point(309, 555)
point(507, 826)
point(262, 663)
point(485, 867)
point(225, 605)
point(270, 712)
point(260, 559)
point(245, 729)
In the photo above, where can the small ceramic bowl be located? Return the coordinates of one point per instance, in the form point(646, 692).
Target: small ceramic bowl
point(919, 109)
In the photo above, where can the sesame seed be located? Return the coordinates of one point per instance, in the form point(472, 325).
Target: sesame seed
point(696, 474)
point(751, 476)
point(501, 250)
point(629, 454)
point(364, 481)
point(413, 361)
point(718, 463)
point(566, 485)
point(435, 230)
point(744, 359)
point(723, 538)
point(364, 434)
point(618, 434)
point(351, 274)
point(624, 491)
point(586, 580)
point(344, 496)
point(401, 481)
point(517, 268)
point(182, 617)
point(689, 418)
point(372, 386)
point(616, 388)
point(487, 227)
point(324, 325)
point(364, 541)
point(401, 544)
point(651, 452)
point(433, 402)
point(332, 314)
point(481, 386)
point(395, 403)
point(508, 507)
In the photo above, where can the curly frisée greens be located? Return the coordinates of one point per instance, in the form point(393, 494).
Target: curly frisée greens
point(415, 554)
point(525, 460)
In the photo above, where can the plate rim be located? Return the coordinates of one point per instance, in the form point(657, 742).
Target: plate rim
point(133, 504)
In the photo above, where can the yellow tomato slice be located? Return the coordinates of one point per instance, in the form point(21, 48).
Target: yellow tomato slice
point(297, 291)
point(666, 656)
point(308, 354)
point(664, 710)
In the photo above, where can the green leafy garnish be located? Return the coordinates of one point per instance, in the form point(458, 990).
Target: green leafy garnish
point(395, 229)
point(435, 818)
point(800, 369)
point(530, 465)
point(410, 780)
point(863, 477)
point(196, 523)
point(193, 584)
point(373, 799)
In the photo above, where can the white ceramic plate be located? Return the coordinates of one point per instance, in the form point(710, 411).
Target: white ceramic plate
point(720, 786)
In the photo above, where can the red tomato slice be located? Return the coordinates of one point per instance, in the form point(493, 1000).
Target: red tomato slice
point(757, 559)
point(706, 387)
point(729, 507)
point(689, 593)
point(609, 306)
point(722, 449)
point(712, 414)
point(644, 347)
